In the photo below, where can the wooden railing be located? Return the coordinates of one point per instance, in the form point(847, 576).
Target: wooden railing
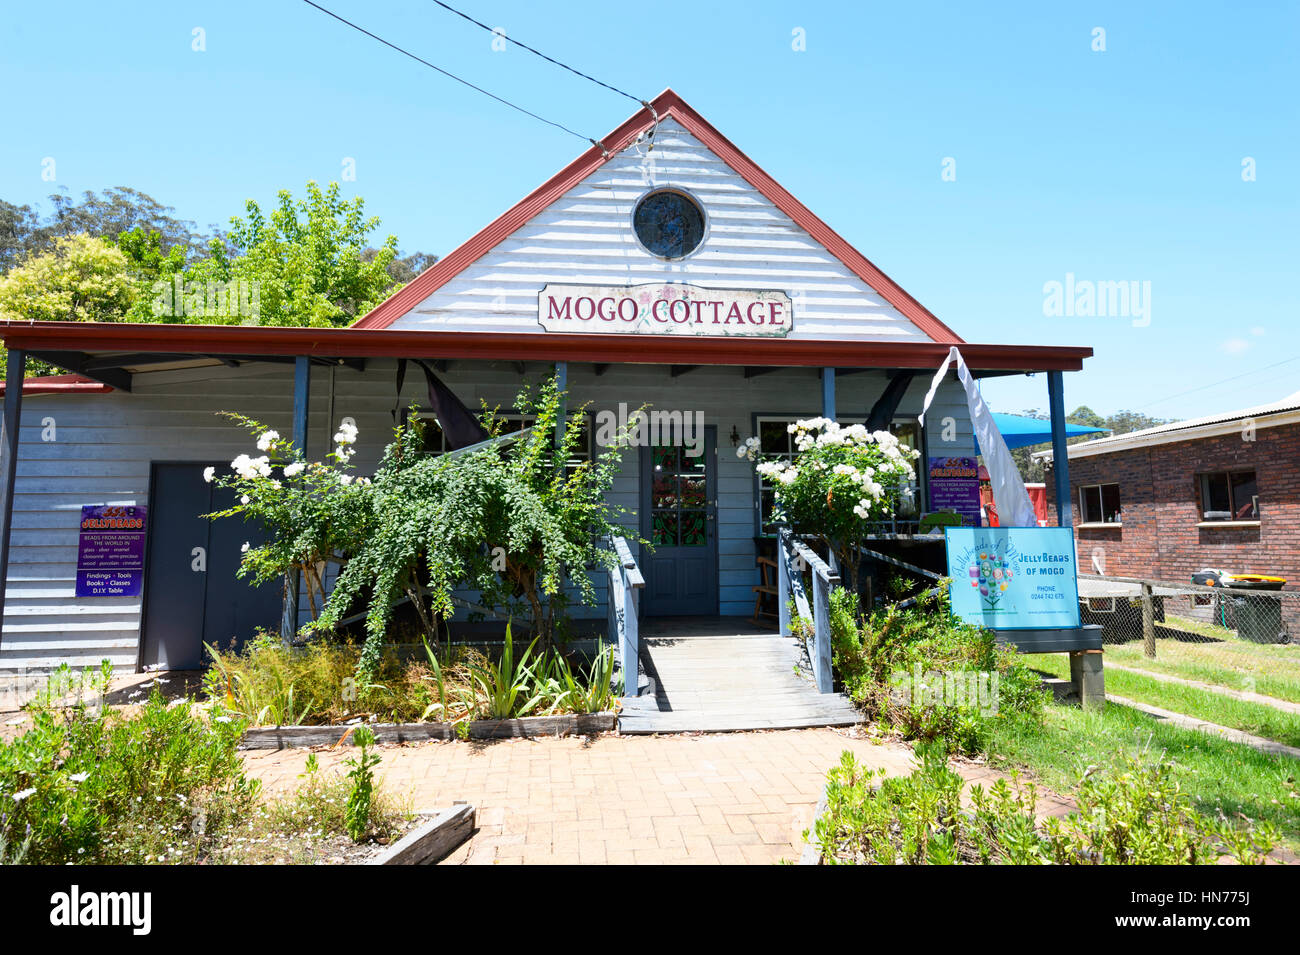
point(792, 556)
point(624, 581)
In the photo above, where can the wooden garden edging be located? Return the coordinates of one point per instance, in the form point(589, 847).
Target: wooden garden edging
point(431, 840)
point(569, 724)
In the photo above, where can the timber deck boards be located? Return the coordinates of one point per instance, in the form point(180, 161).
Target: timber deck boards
point(723, 674)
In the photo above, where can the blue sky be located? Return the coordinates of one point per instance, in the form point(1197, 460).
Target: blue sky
point(1115, 165)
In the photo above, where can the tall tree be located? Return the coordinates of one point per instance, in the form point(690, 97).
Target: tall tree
point(18, 226)
point(105, 215)
point(304, 259)
point(403, 268)
point(1122, 422)
point(80, 279)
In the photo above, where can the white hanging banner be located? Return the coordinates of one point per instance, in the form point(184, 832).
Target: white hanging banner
point(1009, 494)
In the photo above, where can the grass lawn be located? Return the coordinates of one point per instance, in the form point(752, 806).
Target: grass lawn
point(1217, 775)
point(1257, 718)
point(1271, 669)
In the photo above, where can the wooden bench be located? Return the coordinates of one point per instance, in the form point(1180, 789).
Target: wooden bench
point(766, 589)
point(1083, 644)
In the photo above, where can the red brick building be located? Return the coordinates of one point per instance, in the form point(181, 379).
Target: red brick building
point(1218, 492)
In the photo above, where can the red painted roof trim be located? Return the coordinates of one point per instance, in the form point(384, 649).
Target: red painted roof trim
point(666, 104)
point(354, 342)
point(60, 385)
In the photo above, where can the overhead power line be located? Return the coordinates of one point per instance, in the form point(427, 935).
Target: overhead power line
point(1222, 381)
point(450, 75)
point(535, 52)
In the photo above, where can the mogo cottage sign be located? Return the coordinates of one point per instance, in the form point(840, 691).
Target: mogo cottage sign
point(664, 309)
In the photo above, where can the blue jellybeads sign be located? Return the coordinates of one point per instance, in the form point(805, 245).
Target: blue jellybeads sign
point(1013, 578)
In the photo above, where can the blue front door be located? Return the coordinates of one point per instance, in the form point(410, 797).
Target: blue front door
point(679, 519)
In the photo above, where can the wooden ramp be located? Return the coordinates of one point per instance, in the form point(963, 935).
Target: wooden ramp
point(721, 674)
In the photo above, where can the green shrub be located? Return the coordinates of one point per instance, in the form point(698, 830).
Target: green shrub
point(272, 684)
point(319, 807)
point(361, 780)
point(894, 664)
point(269, 683)
point(90, 784)
point(1137, 816)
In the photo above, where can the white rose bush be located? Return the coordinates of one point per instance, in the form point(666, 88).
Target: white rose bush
point(512, 523)
point(312, 511)
point(842, 480)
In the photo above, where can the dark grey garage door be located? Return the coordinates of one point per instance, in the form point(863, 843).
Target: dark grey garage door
point(192, 595)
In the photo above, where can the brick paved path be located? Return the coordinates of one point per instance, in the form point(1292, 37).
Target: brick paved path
point(724, 798)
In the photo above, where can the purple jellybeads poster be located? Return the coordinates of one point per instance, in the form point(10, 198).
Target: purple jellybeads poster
point(110, 550)
point(955, 485)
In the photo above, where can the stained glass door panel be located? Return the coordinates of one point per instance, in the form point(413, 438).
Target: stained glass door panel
point(679, 519)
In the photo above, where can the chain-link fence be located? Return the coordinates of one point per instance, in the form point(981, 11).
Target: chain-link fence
point(1238, 639)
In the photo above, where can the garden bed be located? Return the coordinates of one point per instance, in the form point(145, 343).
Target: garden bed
point(568, 724)
point(1134, 814)
point(437, 833)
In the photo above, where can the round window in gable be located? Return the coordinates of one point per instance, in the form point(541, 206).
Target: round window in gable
point(669, 224)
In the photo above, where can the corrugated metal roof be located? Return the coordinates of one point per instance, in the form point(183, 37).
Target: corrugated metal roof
point(1289, 403)
point(1160, 434)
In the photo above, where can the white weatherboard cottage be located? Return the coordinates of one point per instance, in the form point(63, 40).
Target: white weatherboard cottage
point(662, 267)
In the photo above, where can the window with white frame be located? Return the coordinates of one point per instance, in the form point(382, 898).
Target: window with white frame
point(1099, 504)
point(1229, 496)
point(774, 441)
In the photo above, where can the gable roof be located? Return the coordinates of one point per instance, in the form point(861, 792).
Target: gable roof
point(666, 105)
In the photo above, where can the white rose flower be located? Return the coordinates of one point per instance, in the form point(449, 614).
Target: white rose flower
point(209, 474)
point(294, 468)
point(347, 433)
point(346, 479)
point(244, 467)
point(267, 439)
point(244, 549)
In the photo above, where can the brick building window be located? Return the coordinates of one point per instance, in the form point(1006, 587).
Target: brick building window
point(1229, 496)
point(1099, 504)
